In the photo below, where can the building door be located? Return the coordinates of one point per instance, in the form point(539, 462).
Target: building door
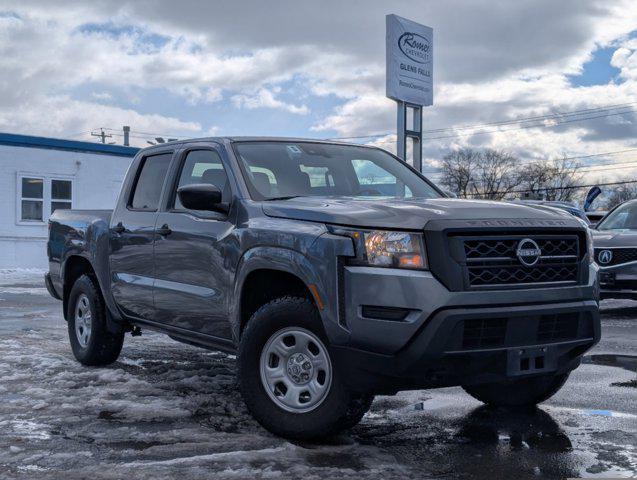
point(194, 259)
point(132, 236)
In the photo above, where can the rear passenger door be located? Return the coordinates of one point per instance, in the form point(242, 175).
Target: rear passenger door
point(194, 254)
point(132, 237)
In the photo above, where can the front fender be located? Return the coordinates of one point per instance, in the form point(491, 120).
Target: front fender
point(302, 266)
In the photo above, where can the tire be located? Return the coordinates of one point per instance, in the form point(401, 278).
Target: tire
point(266, 345)
point(358, 407)
point(91, 341)
point(518, 393)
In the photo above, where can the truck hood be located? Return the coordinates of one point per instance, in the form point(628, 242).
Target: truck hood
point(614, 238)
point(409, 214)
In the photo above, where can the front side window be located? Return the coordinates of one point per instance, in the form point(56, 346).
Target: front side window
point(203, 166)
point(32, 199)
point(323, 169)
point(622, 218)
point(150, 182)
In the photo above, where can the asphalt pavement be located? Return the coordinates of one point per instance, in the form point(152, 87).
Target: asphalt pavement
point(167, 410)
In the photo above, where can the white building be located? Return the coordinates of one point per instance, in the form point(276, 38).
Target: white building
point(39, 175)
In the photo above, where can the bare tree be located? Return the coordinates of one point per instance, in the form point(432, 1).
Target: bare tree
point(551, 180)
point(620, 194)
point(457, 170)
point(484, 173)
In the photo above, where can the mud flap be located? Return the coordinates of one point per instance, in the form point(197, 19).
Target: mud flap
point(531, 360)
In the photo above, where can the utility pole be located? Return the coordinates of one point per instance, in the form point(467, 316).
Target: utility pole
point(103, 136)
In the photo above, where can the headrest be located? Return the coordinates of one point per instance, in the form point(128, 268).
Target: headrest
point(215, 177)
point(262, 183)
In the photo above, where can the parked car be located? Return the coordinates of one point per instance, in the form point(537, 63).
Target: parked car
point(335, 272)
point(595, 216)
point(615, 241)
point(567, 207)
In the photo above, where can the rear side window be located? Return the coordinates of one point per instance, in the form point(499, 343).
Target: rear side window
point(150, 182)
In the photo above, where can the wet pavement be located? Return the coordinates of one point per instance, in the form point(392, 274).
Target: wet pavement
point(167, 410)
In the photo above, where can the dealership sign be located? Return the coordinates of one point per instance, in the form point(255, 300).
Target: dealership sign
point(409, 50)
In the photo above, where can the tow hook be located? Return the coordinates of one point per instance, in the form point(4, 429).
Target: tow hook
point(136, 331)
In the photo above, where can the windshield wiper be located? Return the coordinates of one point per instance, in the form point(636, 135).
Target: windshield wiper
point(288, 197)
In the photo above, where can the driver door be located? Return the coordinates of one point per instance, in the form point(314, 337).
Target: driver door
point(194, 253)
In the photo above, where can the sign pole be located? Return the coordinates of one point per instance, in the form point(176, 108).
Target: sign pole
point(409, 80)
point(401, 149)
point(413, 131)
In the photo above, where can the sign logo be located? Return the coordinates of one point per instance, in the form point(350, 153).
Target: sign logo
point(528, 252)
point(415, 47)
point(604, 257)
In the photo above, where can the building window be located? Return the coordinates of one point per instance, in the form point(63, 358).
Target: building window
point(61, 194)
point(39, 197)
point(32, 199)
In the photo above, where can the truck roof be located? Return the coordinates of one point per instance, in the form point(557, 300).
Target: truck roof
point(234, 138)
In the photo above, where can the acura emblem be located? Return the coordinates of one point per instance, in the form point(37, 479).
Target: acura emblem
point(605, 256)
point(528, 252)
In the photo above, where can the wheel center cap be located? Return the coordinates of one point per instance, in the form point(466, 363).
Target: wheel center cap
point(300, 368)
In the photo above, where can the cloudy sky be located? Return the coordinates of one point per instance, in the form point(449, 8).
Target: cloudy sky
point(566, 69)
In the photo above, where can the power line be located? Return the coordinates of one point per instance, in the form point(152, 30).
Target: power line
point(501, 122)
point(568, 187)
point(538, 117)
point(143, 133)
point(577, 157)
point(522, 127)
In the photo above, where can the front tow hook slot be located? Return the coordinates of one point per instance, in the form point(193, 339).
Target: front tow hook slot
point(526, 361)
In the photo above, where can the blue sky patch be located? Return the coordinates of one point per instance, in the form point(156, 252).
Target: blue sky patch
point(598, 70)
point(115, 31)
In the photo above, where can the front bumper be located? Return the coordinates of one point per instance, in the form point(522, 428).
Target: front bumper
point(459, 338)
point(618, 281)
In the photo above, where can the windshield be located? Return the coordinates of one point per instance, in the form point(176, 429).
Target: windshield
point(623, 217)
point(289, 169)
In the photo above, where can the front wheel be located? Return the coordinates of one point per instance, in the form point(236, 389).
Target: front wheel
point(518, 393)
point(287, 378)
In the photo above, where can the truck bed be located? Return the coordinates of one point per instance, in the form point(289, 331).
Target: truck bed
point(76, 232)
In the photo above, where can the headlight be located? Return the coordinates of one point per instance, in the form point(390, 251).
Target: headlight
point(383, 248)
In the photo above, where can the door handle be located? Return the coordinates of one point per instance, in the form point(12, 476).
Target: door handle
point(164, 230)
point(119, 228)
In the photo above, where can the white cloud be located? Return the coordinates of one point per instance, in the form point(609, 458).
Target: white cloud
point(101, 95)
point(494, 60)
point(264, 98)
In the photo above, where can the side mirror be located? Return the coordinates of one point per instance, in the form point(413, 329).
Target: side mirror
point(201, 196)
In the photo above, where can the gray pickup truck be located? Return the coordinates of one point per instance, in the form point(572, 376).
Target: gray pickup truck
point(335, 272)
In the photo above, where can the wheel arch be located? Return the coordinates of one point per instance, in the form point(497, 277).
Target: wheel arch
point(266, 273)
point(73, 268)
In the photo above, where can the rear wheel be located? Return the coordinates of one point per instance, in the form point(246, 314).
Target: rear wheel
point(287, 377)
point(91, 341)
point(518, 393)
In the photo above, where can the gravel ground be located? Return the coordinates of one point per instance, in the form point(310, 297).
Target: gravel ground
point(167, 410)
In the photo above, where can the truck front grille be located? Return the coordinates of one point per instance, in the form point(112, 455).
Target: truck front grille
point(494, 261)
point(485, 333)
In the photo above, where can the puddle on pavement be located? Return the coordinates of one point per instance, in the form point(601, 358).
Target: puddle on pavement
point(627, 362)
